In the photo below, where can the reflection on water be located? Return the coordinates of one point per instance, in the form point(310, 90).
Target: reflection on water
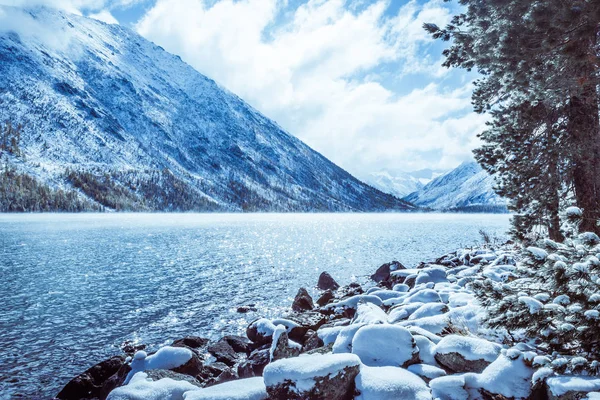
point(73, 287)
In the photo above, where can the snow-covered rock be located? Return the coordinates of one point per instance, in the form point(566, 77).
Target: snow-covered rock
point(466, 354)
point(165, 358)
point(142, 388)
point(385, 345)
point(426, 372)
point(243, 389)
point(390, 383)
point(571, 387)
point(260, 331)
point(451, 387)
point(315, 376)
point(506, 376)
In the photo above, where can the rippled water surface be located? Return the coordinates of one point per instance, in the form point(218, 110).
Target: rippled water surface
point(74, 287)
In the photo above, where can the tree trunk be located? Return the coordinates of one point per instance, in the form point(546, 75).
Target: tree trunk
point(584, 128)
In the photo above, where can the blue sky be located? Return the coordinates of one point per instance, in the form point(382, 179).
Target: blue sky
point(359, 81)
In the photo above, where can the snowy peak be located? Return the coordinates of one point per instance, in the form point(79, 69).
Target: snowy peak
point(401, 184)
point(121, 122)
point(466, 188)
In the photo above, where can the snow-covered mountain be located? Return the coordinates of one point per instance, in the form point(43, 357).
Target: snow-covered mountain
point(466, 188)
point(400, 184)
point(124, 123)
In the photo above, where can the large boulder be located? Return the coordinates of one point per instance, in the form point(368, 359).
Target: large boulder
point(326, 282)
point(315, 377)
point(302, 301)
point(459, 353)
point(96, 382)
point(390, 383)
point(260, 331)
point(385, 345)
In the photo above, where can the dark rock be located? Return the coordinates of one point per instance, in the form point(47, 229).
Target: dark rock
point(352, 289)
point(211, 371)
point(96, 382)
point(193, 342)
point(226, 376)
point(308, 320)
point(158, 374)
point(325, 298)
point(410, 281)
point(322, 350)
point(303, 301)
point(456, 363)
point(239, 344)
point(128, 347)
point(383, 273)
point(192, 368)
point(255, 364)
point(285, 349)
point(224, 352)
point(246, 309)
point(260, 331)
point(311, 341)
point(326, 282)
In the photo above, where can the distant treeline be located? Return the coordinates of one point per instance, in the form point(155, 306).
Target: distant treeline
point(488, 209)
point(20, 192)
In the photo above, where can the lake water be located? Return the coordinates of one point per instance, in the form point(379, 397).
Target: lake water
point(74, 287)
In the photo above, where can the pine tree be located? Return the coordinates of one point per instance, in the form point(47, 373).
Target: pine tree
point(539, 72)
point(556, 296)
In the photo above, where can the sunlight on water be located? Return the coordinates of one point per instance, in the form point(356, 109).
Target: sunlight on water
point(74, 287)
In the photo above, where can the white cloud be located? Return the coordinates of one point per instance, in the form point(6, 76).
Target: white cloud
point(104, 16)
point(314, 69)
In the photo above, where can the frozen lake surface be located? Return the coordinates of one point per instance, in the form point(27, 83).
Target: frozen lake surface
point(74, 287)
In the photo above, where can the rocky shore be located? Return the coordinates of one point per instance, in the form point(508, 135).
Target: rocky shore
point(415, 333)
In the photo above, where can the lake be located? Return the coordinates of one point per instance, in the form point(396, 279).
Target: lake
point(76, 286)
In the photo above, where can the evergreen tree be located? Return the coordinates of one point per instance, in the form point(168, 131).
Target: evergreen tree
point(556, 297)
point(539, 72)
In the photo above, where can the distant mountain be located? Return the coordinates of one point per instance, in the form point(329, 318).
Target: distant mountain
point(400, 184)
point(466, 188)
point(115, 121)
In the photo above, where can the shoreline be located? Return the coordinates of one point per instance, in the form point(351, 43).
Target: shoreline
point(428, 309)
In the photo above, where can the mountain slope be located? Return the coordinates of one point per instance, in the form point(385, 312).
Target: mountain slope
point(118, 120)
point(466, 188)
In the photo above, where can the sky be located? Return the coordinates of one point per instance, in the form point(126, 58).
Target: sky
point(360, 81)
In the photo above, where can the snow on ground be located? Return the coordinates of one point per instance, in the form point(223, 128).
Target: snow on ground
point(470, 348)
point(243, 389)
point(390, 383)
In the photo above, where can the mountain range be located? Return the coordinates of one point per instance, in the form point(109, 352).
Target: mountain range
point(400, 183)
point(467, 188)
point(112, 121)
